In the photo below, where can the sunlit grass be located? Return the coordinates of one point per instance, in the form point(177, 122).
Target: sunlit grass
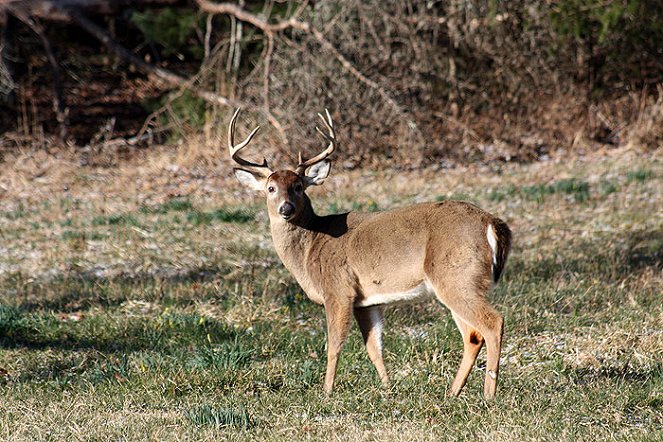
point(175, 321)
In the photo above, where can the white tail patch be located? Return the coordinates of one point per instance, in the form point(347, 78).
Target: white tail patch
point(492, 241)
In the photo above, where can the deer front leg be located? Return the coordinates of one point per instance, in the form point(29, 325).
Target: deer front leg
point(338, 324)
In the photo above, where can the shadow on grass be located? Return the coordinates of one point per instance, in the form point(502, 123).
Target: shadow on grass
point(625, 373)
point(75, 291)
point(166, 332)
point(599, 258)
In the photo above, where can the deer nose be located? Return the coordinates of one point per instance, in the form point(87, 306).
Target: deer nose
point(286, 210)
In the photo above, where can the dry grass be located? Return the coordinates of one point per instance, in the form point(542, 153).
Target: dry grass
point(145, 302)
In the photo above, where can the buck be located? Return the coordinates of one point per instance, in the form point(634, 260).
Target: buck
point(356, 263)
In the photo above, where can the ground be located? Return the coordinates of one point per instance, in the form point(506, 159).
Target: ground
point(145, 301)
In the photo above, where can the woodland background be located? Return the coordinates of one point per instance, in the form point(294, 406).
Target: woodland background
point(409, 83)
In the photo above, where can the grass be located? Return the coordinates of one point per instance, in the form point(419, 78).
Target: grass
point(578, 189)
point(174, 320)
point(172, 205)
point(206, 415)
point(118, 219)
point(225, 215)
point(640, 175)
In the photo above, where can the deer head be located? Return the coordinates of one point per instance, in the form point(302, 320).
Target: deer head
point(285, 190)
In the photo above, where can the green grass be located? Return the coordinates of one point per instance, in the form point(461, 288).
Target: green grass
point(172, 205)
point(206, 415)
point(197, 217)
point(640, 175)
point(17, 213)
point(365, 205)
point(177, 322)
point(455, 196)
point(114, 220)
point(579, 190)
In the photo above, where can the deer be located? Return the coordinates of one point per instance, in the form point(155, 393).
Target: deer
point(355, 264)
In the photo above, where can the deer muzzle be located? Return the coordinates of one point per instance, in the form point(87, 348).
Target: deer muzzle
point(287, 210)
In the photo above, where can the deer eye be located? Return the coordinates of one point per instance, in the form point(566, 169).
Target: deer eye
point(298, 188)
point(271, 189)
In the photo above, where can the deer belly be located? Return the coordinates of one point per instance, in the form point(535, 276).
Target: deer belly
point(423, 290)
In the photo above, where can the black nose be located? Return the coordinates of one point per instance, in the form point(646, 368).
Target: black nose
point(286, 210)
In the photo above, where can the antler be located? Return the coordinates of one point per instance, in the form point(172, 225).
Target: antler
point(262, 169)
point(329, 124)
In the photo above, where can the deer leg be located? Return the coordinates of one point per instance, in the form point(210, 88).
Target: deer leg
point(471, 306)
point(369, 320)
point(472, 343)
point(494, 348)
point(478, 314)
point(338, 325)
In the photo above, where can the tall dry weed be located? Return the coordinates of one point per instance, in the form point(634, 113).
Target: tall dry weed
point(648, 128)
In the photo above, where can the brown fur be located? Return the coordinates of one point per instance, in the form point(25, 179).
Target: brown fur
point(348, 260)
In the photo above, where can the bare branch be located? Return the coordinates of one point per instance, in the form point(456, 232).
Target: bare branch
point(59, 105)
point(238, 12)
point(268, 59)
point(208, 34)
point(167, 76)
point(294, 23)
point(354, 71)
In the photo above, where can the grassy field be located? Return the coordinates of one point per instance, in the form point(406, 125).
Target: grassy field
point(133, 314)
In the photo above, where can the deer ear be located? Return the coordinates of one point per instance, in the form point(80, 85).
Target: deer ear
point(317, 173)
point(249, 180)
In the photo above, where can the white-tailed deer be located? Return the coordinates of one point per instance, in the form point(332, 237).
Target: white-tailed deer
point(355, 263)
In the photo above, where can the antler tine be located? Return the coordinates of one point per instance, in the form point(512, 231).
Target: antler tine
point(331, 137)
point(262, 169)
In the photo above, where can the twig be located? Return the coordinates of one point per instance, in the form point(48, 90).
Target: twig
point(167, 76)
point(208, 34)
point(59, 106)
point(7, 83)
point(241, 14)
point(460, 124)
point(293, 22)
point(354, 71)
point(103, 36)
point(268, 59)
point(231, 47)
point(275, 123)
point(258, 66)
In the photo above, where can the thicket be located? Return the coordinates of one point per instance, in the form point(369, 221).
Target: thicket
point(409, 82)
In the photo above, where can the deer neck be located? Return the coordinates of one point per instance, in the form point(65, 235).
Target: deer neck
point(292, 239)
point(293, 242)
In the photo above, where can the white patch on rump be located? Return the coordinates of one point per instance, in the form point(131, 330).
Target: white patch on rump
point(420, 291)
point(492, 241)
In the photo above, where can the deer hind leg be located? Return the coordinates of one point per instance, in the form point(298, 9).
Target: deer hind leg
point(370, 320)
point(471, 307)
point(472, 343)
point(494, 348)
point(338, 325)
